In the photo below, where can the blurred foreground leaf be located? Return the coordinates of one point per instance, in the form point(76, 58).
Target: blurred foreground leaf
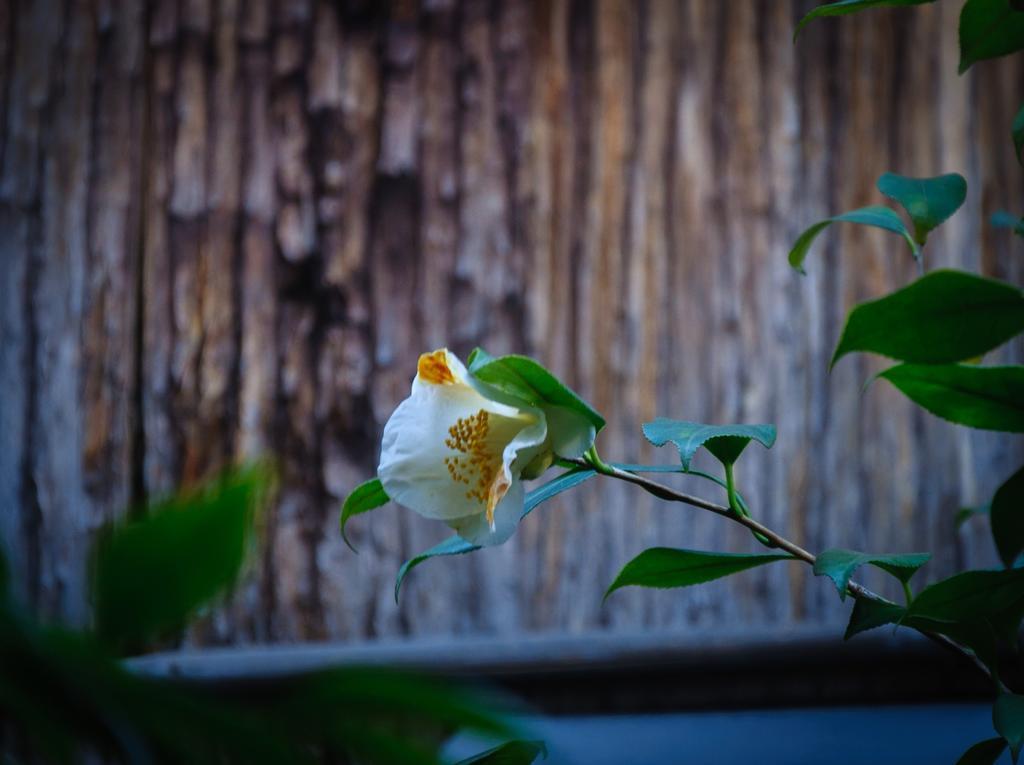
point(150, 576)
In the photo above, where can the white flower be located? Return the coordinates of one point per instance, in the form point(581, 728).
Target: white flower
point(456, 449)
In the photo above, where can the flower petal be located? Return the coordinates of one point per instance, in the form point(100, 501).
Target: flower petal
point(448, 451)
point(476, 529)
point(569, 433)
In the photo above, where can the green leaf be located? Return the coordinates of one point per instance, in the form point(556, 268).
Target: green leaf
point(868, 614)
point(364, 498)
point(989, 29)
point(1008, 719)
point(943, 317)
point(1018, 135)
point(667, 567)
point(983, 753)
point(456, 545)
point(509, 753)
point(1003, 219)
point(1007, 512)
point(527, 380)
point(989, 398)
point(928, 201)
point(840, 565)
point(725, 442)
point(150, 576)
point(965, 514)
point(970, 595)
point(875, 215)
point(843, 7)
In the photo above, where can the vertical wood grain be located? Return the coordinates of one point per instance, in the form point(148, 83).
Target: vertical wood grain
point(228, 228)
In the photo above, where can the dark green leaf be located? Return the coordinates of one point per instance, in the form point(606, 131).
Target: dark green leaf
point(1003, 219)
point(928, 201)
point(1007, 513)
point(970, 595)
point(510, 753)
point(151, 575)
point(843, 7)
point(989, 29)
point(1008, 719)
point(965, 514)
point(456, 545)
point(527, 380)
point(840, 565)
point(983, 753)
point(875, 215)
point(868, 614)
point(1018, 135)
point(943, 317)
point(668, 567)
point(725, 442)
point(364, 498)
point(989, 398)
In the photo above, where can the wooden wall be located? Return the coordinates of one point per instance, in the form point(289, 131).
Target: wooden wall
point(228, 227)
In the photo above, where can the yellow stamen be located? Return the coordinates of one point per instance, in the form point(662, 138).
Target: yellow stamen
point(478, 468)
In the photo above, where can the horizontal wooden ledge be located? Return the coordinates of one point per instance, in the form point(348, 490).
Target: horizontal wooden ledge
point(614, 672)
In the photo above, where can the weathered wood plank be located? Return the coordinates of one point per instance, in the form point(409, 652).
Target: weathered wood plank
point(280, 203)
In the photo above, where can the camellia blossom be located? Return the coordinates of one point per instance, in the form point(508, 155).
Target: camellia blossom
point(457, 448)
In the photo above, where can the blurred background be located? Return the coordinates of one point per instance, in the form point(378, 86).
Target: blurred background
point(229, 227)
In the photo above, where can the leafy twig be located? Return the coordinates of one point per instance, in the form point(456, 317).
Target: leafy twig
point(777, 540)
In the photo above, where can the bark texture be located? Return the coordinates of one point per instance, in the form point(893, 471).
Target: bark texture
point(228, 228)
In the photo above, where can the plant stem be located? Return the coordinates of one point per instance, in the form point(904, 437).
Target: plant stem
point(777, 540)
point(730, 489)
point(908, 593)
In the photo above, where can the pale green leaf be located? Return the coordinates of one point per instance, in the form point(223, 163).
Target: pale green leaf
point(840, 565)
point(725, 442)
point(875, 215)
point(928, 201)
point(1003, 219)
